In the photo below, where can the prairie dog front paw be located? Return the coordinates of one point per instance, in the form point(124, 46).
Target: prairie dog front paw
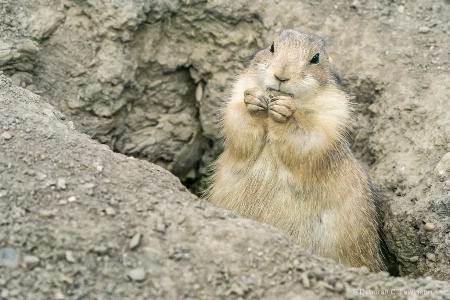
point(256, 100)
point(281, 108)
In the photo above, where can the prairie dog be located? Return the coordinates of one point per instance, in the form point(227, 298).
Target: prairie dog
point(287, 161)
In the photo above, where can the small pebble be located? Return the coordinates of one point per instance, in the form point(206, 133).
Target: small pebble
point(9, 257)
point(135, 241)
point(46, 213)
point(431, 256)
point(61, 184)
point(72, 199)
point(101, 250)
point(110, 211)
point(4, 294)
point(424, 29)
point(339, 287)
point(59, 296)
point(6, 135)
point(355, 4)
point(199, 92)
point(66, 279)
point(69, 257)
point(99, 169)
point(429, 227)
point(137, 274)
point(414, 259)
point(62, 202)
point(31, 261)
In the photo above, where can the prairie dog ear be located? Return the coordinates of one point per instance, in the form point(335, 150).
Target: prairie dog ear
point(327, 56)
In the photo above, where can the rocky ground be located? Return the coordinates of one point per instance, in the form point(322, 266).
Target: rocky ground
point(79, 221)
point(147, 79)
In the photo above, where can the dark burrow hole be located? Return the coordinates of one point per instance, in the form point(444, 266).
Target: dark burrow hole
point(365, 92)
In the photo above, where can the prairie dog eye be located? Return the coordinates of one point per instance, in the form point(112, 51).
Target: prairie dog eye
point(272, 48)
point(315, 59)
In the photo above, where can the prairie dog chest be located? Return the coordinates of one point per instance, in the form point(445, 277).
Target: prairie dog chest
point(267, 167)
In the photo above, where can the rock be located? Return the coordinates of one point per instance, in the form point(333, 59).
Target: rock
point(69, 257)
point(31, 261)
point(414, 259)
point(423, 29)
point(61, 184)
point(355, 4)
point(6, 135)
point(443, 166)
point(431, 256)
point(59, 296)
point(199, 92)
point(339, 287)
point(429, 227)
point(44, 22)
point(101, 250)
point(137, 274)
point(72, 199)
point(46, 213)
point(9, 257)
point(110, 211)
point(135, 241)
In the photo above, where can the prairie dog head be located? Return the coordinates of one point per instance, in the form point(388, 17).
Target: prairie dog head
point(296, 63)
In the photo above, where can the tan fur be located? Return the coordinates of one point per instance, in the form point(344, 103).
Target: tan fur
point(287, 161)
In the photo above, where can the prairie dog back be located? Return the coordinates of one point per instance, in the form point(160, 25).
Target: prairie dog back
point(287, 161)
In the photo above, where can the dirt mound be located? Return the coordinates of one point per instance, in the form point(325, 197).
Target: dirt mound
point(79, 221)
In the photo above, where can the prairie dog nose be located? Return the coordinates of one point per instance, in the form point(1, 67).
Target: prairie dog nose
point(283, 74)
point(281, 77)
